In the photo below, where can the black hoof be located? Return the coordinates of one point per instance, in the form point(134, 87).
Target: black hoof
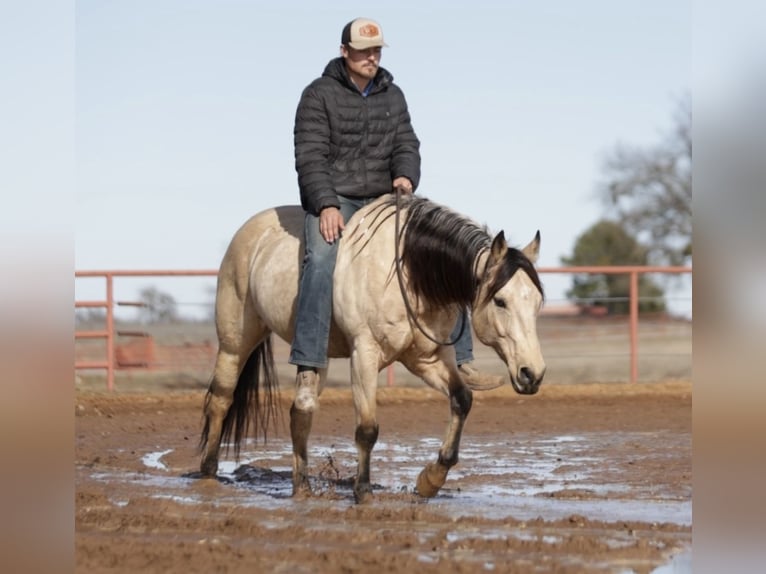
point(302, 489)
point(209, 469)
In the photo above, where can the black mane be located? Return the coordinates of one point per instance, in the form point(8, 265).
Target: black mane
point(440, 251)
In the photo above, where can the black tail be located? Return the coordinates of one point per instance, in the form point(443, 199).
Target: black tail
point(249, 407)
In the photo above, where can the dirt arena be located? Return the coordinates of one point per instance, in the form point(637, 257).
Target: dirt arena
point(579, 478)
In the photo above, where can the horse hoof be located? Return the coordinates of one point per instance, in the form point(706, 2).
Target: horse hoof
point(302, 489)
point(424, 487)
point(362, 493)
point(430, 480)
point(209, 469)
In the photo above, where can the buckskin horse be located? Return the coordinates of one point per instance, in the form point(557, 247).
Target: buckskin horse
point(406, 267)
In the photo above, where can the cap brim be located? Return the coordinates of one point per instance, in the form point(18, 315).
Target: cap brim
point(365, 45)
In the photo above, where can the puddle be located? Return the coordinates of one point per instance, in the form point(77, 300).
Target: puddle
point(680, 564)
point(154, 459)
point(522, 477)
point(524, 483)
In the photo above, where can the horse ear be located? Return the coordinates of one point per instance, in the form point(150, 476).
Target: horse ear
point(499, 249)
point(532, 250)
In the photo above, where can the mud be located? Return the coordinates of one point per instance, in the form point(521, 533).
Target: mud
point(579, 478)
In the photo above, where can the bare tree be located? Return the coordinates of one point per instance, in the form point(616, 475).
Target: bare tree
point(158, 307)
point(649, 191)
point(89, 316)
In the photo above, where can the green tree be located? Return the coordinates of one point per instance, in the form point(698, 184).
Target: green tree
point(607, 243)
point(649, 191)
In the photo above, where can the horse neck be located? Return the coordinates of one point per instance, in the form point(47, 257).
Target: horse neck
point(479, 273)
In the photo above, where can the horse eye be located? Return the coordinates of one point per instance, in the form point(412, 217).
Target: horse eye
point(499, 302)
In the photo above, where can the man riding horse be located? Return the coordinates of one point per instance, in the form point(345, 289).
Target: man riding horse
point(354, 142)
point(391, 290)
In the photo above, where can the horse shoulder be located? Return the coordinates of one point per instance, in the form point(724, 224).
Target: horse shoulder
point(367, 302)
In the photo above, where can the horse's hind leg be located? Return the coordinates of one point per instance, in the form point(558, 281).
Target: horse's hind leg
point(217, 403)
point(308, 387)
point(433, 476)
point(236, 340)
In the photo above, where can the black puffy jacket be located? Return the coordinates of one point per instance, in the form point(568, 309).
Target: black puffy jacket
point(351, 145)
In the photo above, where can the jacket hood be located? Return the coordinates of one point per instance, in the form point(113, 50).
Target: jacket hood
point(336, 69)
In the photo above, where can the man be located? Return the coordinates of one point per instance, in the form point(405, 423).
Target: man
point(354, 142)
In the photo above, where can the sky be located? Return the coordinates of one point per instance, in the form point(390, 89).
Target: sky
point(184, 110)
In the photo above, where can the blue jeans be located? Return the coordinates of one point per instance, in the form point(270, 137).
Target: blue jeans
point(314, 313)
point(464, 345)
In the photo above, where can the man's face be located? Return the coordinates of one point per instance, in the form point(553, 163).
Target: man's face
point(362, 63)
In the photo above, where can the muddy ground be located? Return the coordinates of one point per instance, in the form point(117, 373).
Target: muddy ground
point(579, 478)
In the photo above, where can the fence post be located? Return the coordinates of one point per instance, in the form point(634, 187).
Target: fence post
point(109, 331)
point(633, 326)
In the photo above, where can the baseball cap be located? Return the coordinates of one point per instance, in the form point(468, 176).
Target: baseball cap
point(362, 33)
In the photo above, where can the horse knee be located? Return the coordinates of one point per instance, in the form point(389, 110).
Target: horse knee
point(300, 427)
point(461, 401)
point(306, 392)
point(366, 436)
point(305, 402)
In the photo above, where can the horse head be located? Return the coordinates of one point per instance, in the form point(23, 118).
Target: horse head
point(508, 300)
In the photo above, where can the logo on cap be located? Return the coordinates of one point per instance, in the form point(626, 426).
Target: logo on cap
point(369, 31)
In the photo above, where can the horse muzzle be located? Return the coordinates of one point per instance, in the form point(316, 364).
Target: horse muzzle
point(527, 381)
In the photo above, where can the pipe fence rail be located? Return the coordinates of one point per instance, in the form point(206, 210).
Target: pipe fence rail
point(582, 333)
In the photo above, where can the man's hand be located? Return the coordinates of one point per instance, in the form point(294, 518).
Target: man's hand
point(331, 224)
point(403, 183)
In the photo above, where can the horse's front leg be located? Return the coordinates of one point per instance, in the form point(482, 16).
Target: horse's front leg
point(308, 387)
point(364, 383)
point(433, 476)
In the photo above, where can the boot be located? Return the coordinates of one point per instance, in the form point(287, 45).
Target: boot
point(478, 381)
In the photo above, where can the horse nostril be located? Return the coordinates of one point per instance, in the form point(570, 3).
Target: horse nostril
point(526, 377)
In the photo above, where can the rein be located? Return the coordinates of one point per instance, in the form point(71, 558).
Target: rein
point(410, 313)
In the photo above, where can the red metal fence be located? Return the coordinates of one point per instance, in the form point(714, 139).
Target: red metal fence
point(143, 352)
point(108, 304)
point(633, 271)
